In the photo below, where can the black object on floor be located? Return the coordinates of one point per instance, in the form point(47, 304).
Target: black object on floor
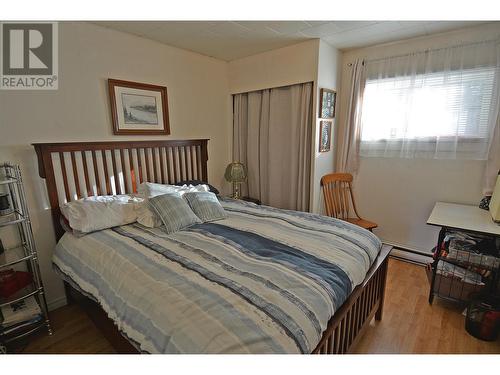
point(483, 317)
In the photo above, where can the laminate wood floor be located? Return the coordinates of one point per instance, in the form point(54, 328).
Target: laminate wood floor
point(409, 324)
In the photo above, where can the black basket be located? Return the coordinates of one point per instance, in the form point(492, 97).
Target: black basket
point(483, 317)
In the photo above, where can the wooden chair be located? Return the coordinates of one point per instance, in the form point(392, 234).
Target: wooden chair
point(337, 192)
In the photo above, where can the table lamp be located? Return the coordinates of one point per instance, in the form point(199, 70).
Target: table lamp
point(236, 173)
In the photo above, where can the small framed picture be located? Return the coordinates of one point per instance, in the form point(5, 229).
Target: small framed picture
point(325, 135)
point(138, 108)
point(327, 103)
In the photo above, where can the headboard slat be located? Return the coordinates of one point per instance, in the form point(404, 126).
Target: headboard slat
point(116, 179)
point(132, 170)
point(65, 176)
point(178, 160)
point(193, 161)
point(184, 167)
point(106, 174)
point(146, 161)
point(75, 175)
point(154, 155)
point(186, 162)
point(174, 160)
point(162, 166)
point(139, 164)
point(168, 160)
point(86, 173)
point(198, 161)
point(96, 173)
point(125, 180)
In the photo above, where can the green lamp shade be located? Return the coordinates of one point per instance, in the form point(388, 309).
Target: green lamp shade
point(235, 172)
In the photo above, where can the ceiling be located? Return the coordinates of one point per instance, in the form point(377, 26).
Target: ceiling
point(230, 40)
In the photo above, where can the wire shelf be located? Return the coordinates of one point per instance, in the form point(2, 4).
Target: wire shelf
point(25, 251)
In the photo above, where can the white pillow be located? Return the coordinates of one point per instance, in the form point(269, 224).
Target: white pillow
point(151, 189)
point(101, 212)
point(149, 218)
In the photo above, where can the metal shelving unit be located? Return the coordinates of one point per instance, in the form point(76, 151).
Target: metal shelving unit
point(23, 252)
point(450, 285)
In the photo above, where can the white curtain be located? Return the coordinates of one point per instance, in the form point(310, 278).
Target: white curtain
point(272, 136)
point(434, 104)
point(493, 163)
point(350, 130)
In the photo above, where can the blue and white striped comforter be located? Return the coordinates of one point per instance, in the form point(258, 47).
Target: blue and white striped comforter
point(262, 281)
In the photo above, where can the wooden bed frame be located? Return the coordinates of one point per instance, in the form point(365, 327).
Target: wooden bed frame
point(76, 170)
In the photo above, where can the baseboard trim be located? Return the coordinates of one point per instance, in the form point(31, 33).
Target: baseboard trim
point(407, 248)
point(56, 303)
point(406, 254)
point(407, 260)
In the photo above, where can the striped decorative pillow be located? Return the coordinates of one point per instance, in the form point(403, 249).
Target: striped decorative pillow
point(206, 206)
point(173, 211)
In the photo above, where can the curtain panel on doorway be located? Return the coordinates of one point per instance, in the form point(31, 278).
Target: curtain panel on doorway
point(272, 132)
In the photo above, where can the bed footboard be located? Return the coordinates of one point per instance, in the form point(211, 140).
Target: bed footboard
point(366, 301)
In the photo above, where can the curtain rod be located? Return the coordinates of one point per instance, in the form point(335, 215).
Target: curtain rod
point(427, 50)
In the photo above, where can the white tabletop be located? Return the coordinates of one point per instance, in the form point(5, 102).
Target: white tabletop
point(461, 216)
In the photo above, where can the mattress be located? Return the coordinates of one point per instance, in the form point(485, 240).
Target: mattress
point(264, 280)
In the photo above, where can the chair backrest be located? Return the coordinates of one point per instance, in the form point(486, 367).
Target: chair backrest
point(337, 192)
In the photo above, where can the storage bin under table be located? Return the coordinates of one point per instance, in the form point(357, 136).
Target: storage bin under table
point(468, 219)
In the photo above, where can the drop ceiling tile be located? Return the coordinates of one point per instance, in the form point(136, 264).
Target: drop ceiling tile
point(442, 26)
point(373, 36)
point(351, 25)
point(316, 23)
point(321, 30)
point(378, 28)
point(210, 46)
point(407, 24)
point(132, 27)
point(187, 26)
point(168, 35)
point(228, 28)
point(264, 33)
point(229, 40)
point(276, 27)
point(252, 25)
point(287, 27)
point(410, 32)
point(382, 31)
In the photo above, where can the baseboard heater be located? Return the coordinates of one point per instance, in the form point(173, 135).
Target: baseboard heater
point(409, 255)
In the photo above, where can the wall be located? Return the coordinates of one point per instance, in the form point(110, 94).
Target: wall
point(329, 62)
point(280, 67)
point(198, 99)
point(399, 194)
point(312, 61)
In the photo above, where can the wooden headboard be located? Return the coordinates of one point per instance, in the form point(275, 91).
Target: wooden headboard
point(81, 169)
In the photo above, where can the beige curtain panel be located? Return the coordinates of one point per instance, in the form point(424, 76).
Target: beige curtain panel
point(272, 132)
point(349, 133)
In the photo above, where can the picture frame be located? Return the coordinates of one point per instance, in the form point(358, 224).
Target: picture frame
point(328, 99)
point(138, 108)
point(325, 135)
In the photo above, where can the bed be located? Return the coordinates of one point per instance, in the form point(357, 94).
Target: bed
point(263, 280)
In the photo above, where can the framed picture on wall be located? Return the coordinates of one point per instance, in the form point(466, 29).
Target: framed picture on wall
point(138, 108)
point(325, 135)
point(327, 103)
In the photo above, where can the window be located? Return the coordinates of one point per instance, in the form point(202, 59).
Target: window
point(438, 114)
